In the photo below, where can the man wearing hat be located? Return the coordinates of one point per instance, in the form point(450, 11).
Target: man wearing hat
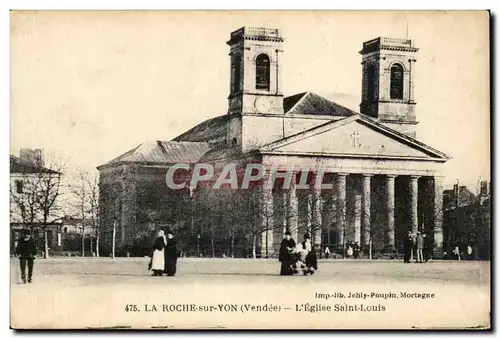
point(170, 255)
point(26, 250)
point(285, 256)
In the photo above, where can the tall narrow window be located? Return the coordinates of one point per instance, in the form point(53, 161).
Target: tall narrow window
point(370, 79)
point(236, 74)
point(397, 82)
point(263, 72)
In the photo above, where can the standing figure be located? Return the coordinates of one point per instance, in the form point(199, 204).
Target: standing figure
point(469, 252)
point(285, 255)
point(456, 252)
point(356, 250)
point(420, 247)
point(427, 247)
point(407, 246)
point(26, 250)
point(413, 245)
point(311, 260)
point(327, 252)
point(349, 250)
point(157, 263)
point(170, 255)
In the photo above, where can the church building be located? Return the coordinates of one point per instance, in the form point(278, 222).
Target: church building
point(384, 182)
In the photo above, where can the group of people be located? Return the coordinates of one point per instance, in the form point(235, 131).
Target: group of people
point(416, 247)
point(164, 255)
point(461, 251)
point(297, 258)
point(353, 250)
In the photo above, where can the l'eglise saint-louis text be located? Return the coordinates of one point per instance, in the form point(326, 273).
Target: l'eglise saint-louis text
point(374, 295)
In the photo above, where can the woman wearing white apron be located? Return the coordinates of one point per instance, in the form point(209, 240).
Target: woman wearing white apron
point(158, 257)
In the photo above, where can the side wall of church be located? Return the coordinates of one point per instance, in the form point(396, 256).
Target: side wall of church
point(138, 199)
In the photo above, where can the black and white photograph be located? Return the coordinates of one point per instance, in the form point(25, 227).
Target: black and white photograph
point(256, 170)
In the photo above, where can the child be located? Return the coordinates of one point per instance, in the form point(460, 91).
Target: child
point(26, 250)
point(301, 254)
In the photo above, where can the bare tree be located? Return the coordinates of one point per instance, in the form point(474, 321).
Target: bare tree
point(86, 205)
point(48, 197)
point(24, 204)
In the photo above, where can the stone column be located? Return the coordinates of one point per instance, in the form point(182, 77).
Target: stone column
point(438, 217)
point(366, 210)
point(304, 212)
point(357, 218)
point(266, 221)
point(309, 212)
point(390, 243)
point(316, 221)
point(414, 203)
point(341, 208)
point(292, 214)
point(284, 200)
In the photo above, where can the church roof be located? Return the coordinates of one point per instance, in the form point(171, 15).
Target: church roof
point(212, 129)
point(309, 103)
point(218, 151)
point(163, 152)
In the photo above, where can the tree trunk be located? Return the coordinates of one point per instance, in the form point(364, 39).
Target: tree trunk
point(213, 247)
point(370, 250)
point(83, 241)
point(232, 244)
point(254, 246)
point(97, 245)
point(45, 244)
point(212, 239)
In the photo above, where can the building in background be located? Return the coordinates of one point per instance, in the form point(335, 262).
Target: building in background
point(73, 231)
point(30, 182)
point(467, 219)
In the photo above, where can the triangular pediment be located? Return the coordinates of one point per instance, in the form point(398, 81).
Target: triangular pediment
point(356, 136)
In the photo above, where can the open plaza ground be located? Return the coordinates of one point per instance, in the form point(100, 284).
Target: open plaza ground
point(95, 292)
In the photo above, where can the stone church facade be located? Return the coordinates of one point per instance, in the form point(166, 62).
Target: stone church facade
point(383, 181)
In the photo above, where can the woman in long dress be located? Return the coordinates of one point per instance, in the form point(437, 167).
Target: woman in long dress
point(311, 261)
point(170, 255)
point(285, 256)
point(158, 257)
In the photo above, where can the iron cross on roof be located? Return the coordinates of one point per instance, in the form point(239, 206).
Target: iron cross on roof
point(355, 139)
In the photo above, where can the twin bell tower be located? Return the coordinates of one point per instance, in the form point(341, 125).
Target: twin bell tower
point(388, 67)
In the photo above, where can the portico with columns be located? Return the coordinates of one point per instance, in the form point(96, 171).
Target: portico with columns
point(365, 197)
point(376, 213)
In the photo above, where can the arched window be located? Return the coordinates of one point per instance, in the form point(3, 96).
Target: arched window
point(397, 82)
point(236, 73)
point(370, 80)
point(263, 72)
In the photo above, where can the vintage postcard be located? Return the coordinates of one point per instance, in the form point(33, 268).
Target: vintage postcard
point(250, 170)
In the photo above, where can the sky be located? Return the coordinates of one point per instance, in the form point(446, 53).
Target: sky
point(89, 86)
